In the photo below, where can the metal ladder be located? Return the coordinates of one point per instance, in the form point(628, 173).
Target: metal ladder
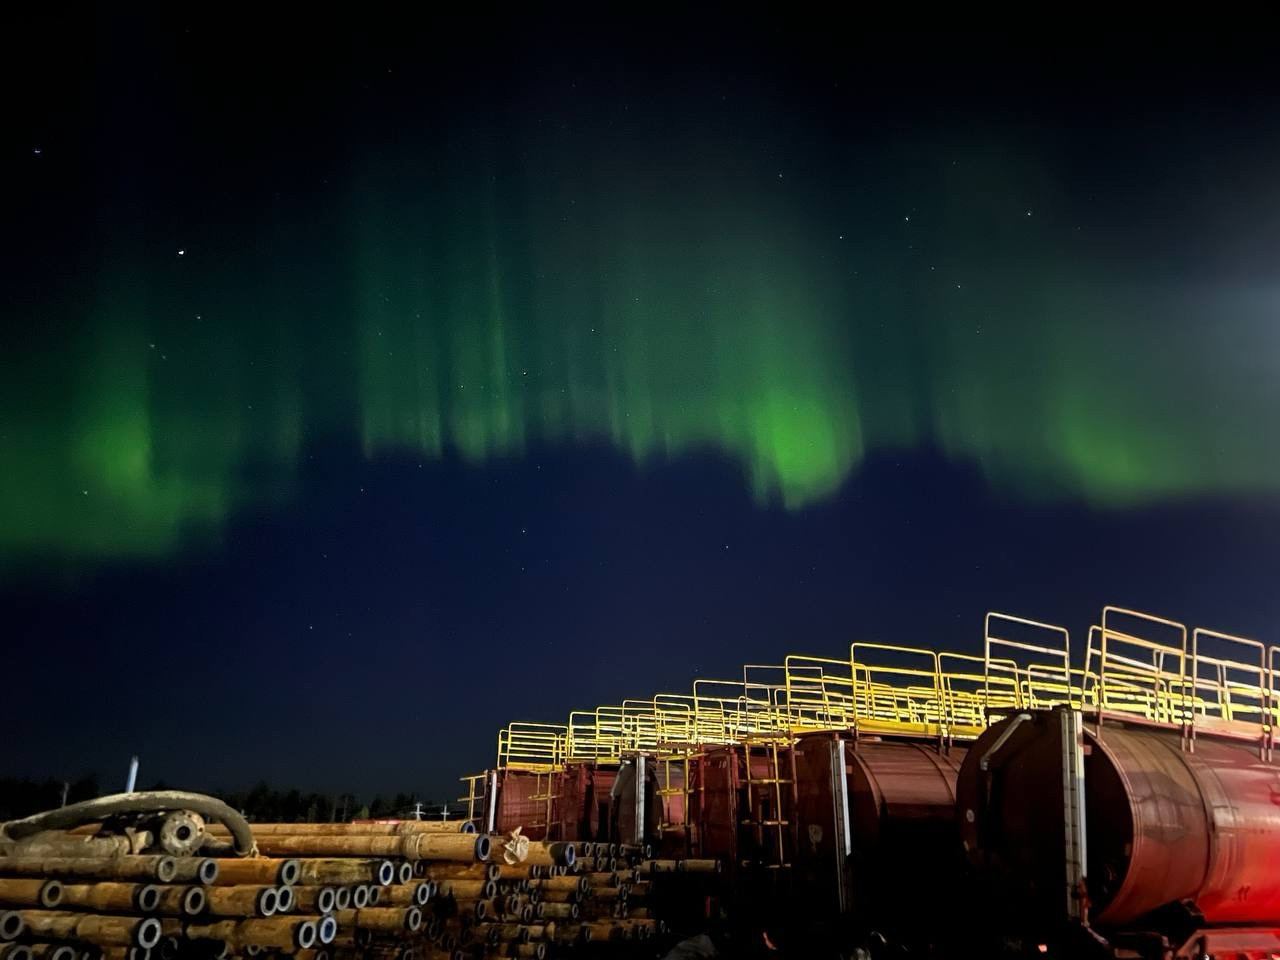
point(775, 827)
point(546, 793)
point(667, 759)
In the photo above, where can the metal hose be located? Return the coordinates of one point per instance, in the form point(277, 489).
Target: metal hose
point(155, 801)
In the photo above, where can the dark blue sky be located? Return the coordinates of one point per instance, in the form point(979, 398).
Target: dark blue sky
point(366, 385)
point(375, 633)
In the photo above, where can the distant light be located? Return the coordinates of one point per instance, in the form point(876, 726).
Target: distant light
point(1043, 948)
point(182, 252)
point(36, 151)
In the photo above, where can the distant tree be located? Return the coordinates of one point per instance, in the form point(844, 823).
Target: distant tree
point(23, 797)
point(260, 803)
point(86, 788)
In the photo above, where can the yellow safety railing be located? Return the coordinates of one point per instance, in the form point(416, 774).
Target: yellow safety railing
point(817, 694)
point(531, 746)
point(1142, 666)
point(735, 713)
point(1228, 695)
point(1135, 666)
point(641, 724)
point(475, 797)
point(771, 689)
point(964, 683)
point(900, 692)
point(676, 718)
point(1027, 665)
point(1273, 711)
point(595, 735)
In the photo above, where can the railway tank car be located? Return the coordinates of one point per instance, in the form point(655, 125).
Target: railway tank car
point(878, 837)
point(1125, 835)
point(912, 802)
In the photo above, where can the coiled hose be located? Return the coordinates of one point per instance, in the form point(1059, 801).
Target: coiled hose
point(154, 801)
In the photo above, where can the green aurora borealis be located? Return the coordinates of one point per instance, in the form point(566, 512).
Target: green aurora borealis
point(792, 307)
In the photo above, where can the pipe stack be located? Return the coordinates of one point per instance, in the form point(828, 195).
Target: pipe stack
point(375, 880)
point(88, 893)
point(565, 899)
point(366, 891)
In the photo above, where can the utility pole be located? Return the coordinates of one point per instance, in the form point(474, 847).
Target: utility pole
point(132, 780)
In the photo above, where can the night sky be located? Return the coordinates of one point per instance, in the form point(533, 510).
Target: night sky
point(366, 385)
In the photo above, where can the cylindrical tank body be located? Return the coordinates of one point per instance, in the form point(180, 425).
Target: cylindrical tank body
point(1163, 824)
point(738, 805)
point(584, 803)
point(522, 802)
point(903, 788)
point(902, 843)
point(622, 825)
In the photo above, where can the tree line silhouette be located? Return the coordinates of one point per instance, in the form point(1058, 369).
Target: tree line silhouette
point(261, 802)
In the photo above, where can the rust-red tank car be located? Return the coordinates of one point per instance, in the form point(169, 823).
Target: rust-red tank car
point(740, 804)
point(521, 802)
point(672, 834)
point(876, 818)
point(573, 803)
point(635, 818)
point(583, 809)
point(1163, 827)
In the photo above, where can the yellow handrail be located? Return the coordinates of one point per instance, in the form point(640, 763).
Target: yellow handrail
point(1135, 665)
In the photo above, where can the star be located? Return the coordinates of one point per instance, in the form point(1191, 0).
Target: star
point(182, 252)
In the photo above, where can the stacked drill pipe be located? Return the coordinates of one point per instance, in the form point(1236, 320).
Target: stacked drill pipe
point(127, 906)
point(387, 886)
point(87, 894)
point(595, 902)
point(368, 891)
